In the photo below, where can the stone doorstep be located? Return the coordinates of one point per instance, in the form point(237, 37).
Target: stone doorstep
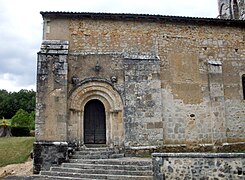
point(94, 149)
point(114, 156)
point(97, 156)
point(94, 176)
point(92, 152)
point(90, 156)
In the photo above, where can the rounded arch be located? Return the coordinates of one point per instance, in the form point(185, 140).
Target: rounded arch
point(96, 90)
point(221, 10)
point(94, 122)
point(112, 102)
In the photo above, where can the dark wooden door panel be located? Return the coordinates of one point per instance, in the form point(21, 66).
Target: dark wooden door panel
point(94, 123)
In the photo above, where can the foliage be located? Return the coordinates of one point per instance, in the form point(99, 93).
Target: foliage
point(23, 119)
point(15, 149)
point(11, 102)
point(32, 120)
point(20, 131)
point(4, 123)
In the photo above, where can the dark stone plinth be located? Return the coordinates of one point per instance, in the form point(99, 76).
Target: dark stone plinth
point(198, 166)
point(47, 154)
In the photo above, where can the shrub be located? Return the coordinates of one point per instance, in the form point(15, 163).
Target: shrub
point(32, 120)
point(23, 119)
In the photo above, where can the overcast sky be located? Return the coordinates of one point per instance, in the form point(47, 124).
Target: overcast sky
point(21, 28)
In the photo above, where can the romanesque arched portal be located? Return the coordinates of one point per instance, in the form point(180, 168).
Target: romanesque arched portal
point(113, 106)
point(94, 125)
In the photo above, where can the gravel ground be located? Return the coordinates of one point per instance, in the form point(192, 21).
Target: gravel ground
point(23, 169)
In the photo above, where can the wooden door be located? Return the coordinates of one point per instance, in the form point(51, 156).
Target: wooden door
point(94, 123)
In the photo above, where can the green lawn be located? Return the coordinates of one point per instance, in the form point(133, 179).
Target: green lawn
point(15, 149)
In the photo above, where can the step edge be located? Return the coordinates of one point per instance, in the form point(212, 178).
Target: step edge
point(111, 165)
point(96, 169)
point(111, 175)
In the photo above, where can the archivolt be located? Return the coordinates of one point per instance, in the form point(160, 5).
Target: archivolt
point(96, 90)
point(113, 108)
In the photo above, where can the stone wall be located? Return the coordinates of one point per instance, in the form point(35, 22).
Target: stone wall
point(143, 124)
point(179, 80)
point(198, 166)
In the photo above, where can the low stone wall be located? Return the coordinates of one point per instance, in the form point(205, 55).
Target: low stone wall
point(47, 154)
point(202, 166)
point(184, 148)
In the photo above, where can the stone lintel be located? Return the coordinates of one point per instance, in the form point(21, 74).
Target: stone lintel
point(141, 57)
point(215, 63)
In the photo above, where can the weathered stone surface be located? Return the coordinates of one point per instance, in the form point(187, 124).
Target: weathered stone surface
point(47, 154)
point(52, 70)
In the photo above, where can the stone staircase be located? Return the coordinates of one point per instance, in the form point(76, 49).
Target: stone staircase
point(99, 163)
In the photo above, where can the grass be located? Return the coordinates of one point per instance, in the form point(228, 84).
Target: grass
point(15, 150)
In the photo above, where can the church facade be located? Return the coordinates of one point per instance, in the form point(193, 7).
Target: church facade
point(135, 80)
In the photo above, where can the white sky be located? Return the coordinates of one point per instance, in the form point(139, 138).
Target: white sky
point(21, 28)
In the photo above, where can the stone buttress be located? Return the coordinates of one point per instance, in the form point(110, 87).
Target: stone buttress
point(50, 147)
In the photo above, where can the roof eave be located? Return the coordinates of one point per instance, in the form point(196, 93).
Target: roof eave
point(145, 17)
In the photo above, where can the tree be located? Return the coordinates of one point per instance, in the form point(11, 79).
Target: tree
point(11, 102)
point(23, 119)
point(4, 104)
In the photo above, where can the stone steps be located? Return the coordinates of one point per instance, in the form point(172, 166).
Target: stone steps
point(122, 168)
point(98, 163)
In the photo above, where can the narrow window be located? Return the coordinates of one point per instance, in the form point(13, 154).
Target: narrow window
point(243, 85)
point(235, 9)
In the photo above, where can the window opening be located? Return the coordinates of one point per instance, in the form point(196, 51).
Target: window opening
point(243, 85)
point(235, 9)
